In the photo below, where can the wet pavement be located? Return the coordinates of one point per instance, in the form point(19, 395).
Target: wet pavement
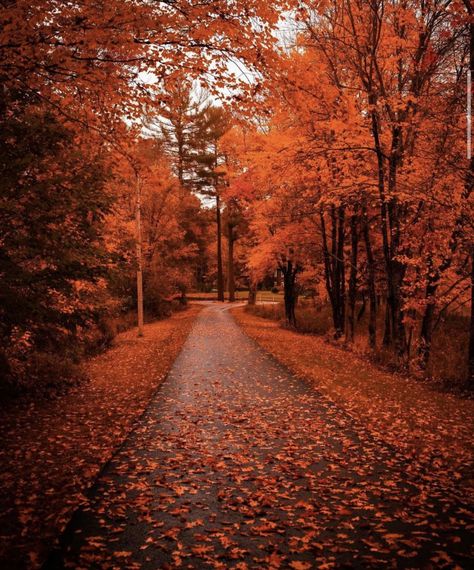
point(239, 464)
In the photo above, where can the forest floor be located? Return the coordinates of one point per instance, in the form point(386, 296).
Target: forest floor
point(238, 463)
point(433, 427)
point(52, 450)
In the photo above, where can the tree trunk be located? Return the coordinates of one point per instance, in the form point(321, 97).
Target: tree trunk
point(252, 298)
point(341, 272)
point(230, 268)
point(468, 189)
point(370, 283)
point(396, 312)
point(362, 308)
point(426, 331)
point(220, 273)
point(471, 327)
point(138, 221)
point(390, 226)
point(289, 283)
point(181, 153)
point(352, 296)
point(387, 331)
point(334, 267)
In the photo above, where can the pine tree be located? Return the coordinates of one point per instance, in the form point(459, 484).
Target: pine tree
point(210, 174)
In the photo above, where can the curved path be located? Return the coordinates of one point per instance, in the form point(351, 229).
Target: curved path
point(238, 464)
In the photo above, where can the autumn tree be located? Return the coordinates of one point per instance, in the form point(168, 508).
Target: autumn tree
point(53, 256)
point(173, 221)
point(236, 193)
point(378, 38)
point(232, 224)
point(77, 78)
point(362, 145)
point(210, 174)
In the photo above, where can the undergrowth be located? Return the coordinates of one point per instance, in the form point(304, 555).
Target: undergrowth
point(448, 363)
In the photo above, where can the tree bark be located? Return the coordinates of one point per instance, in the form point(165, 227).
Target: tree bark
point(334, 267)
point(220, 273)
point(138, 222)
point(387, 331)
point(230, 267)
point(252, 298)
point(396, 312)
point(468, 190)
point(290, 271)
point(352, 294)
point(471, 327)
point(396, 268)
point(341, 271)
point(426, 330)
point(372, 327)
point(394, 333)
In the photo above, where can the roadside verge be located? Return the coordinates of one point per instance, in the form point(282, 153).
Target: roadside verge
point(434, 428)
point(51, 451)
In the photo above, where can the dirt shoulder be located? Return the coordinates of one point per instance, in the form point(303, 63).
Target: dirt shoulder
point(434, 428)
point(51, 452)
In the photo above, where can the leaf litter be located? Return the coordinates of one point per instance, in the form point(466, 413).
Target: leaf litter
point(50, 452)
point(239, 464)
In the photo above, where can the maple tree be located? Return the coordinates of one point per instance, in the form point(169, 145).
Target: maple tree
point(172, 222)
point(359, 162)
point(90, 70)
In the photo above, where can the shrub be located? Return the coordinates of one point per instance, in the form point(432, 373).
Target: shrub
point(42, 373)
point(448, 352)
point(274, 312)
point(447, 363)
point(308, 318)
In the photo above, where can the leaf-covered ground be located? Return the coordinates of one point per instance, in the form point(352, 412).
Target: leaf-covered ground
point(238, 463)
point(50, 452)
point(436, 429)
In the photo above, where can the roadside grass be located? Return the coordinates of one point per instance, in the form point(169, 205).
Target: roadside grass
point(310, 319)
point(51, 451)
point(434, 428)
point(448, 362)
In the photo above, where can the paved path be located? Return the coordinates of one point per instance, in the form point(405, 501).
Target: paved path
point(238, 464)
